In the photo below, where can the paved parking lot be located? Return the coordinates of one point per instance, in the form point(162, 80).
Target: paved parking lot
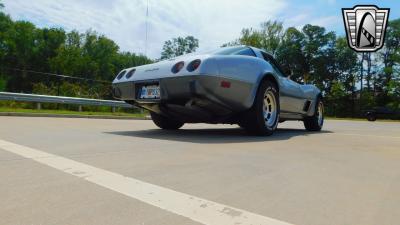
point(91, 171)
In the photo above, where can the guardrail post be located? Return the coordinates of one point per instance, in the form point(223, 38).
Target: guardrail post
point(113, 109)
point(80, 108)
point(38, 106)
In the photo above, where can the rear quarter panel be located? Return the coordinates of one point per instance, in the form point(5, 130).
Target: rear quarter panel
point(311, 93)
point(247, 71)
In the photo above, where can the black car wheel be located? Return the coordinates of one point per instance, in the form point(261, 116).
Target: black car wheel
point(315, 122)
point(371, 117)
point(263, 117)
point(165, 122)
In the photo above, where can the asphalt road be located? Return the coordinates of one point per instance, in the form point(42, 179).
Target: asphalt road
point(92, 171)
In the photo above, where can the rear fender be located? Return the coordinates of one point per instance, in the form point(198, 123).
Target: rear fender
point(266, 74)
point(245, 69)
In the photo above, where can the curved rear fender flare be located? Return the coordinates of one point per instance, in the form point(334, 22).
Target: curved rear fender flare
point(265, 76)
point(318, 95)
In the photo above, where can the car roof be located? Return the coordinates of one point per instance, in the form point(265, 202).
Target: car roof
point(259, 52)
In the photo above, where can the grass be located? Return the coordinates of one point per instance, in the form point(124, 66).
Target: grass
point(360, 119)
point(345, 118)
point(69, 112)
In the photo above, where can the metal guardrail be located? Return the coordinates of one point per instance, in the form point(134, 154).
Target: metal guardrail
point(62, 100)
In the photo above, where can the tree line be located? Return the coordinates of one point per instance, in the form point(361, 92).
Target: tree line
point(26, 50)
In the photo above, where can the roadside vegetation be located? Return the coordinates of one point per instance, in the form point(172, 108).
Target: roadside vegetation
point(69, 112)
point(350, 81)
point(31, 56)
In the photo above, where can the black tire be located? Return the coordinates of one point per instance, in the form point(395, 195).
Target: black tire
point(165, 122)
point(313, 123)
point(371, 117)
point(253, 120)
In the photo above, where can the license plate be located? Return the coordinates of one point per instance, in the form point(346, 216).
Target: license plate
point(150, 92)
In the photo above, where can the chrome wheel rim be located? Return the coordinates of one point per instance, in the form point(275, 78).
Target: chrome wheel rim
point(270, 108)
point(320, 113)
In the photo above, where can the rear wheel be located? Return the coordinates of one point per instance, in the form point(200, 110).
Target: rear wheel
point(263, 117)
point(315, 122)
point(371, 117)
point(165, 122)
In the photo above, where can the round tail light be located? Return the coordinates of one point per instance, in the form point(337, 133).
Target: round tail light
point(193, 65)
point(177, 67)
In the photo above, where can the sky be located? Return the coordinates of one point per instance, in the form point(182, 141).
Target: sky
point(213, 22)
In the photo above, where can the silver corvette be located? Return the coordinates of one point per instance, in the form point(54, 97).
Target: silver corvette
point(236, 85)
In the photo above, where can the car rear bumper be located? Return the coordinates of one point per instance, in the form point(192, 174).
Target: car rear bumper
point(203, 90)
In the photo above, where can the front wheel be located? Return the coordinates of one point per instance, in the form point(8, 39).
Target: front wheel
point(371, 117)
point(315, 122)
point(165, 122)
point(263, 117)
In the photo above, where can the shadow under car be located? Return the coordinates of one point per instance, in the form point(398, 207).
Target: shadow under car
point(215, 136)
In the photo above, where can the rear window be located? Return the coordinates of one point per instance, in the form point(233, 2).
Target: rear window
point(235, 51)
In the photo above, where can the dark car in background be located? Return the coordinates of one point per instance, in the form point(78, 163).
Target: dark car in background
point(381, 113)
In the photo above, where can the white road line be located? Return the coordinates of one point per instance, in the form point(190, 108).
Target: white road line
point(194, 208)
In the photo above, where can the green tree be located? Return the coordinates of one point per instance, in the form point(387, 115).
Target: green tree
point(69, 58)
point(394, 93)
point(318, 49)
point(5, 25)
point(21, 44)
point(128, 59)
point(98, 54)
point(336, 98)
point(48, 42)
point(345, 65)
point(91, 56)
point(250, 37)
point(290, 53)
point(25, 47)
point(268, 37)
point(346, 73)
point(179, 46)
point(3, 83)
point(390, 54)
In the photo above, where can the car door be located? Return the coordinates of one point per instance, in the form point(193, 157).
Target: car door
point(291, 95)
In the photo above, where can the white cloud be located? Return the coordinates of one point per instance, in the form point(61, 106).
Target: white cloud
point(212, 22)
point(308, 15)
